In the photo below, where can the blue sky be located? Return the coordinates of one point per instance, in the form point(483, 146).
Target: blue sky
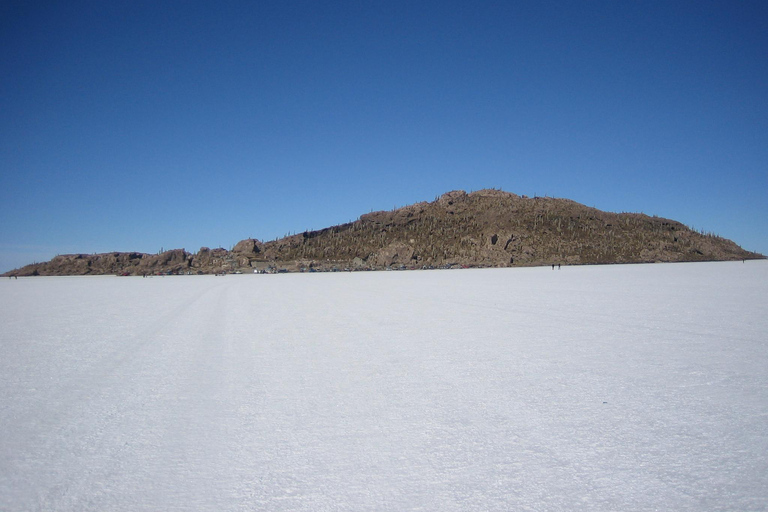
point(136, 126)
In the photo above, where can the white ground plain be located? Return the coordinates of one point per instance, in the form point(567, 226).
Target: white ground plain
point(622, 388)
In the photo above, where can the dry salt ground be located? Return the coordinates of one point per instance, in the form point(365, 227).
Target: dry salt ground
point(621, 388)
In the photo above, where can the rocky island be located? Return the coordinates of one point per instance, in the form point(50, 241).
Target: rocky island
point(486, 228)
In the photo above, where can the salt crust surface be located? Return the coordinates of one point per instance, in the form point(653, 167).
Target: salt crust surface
point(632, 387)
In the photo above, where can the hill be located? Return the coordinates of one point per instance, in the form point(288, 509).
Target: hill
point(487, 228)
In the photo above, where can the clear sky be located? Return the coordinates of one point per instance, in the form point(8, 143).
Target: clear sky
point(136, 126)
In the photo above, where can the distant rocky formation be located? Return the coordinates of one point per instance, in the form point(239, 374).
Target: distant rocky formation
point(487, 228)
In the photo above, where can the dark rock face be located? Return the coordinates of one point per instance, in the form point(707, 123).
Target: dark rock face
point(484, 228)
point(396, 253)
point(210, 260)
point(174, 261)
point(248, 247)
point(246, 251)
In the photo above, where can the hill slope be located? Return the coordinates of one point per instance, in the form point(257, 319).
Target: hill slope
point(483, 228)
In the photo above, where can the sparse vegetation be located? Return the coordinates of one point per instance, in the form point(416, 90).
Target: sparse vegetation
point(484, 228)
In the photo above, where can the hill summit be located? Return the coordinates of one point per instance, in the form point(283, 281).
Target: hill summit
point(486, 228)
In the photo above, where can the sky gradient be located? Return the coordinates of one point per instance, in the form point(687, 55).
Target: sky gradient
point(141, 126)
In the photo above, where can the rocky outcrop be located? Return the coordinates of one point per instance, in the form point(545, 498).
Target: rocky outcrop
point(176, 260)
point(483, 228)
point(246, 251)
point(249, 247)
point(396, 253)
